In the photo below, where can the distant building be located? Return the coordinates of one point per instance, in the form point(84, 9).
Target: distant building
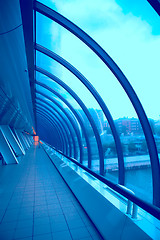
point(126, 126)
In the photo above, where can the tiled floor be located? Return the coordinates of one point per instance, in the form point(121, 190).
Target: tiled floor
point(36, 203)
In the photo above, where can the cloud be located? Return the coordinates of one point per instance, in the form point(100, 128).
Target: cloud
point(129, 41)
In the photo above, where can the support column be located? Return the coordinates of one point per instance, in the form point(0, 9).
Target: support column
point(12, 140)
point(19, 140)
point(21, 137)
point(6, 150)
point(29, 139)
point(26, 140)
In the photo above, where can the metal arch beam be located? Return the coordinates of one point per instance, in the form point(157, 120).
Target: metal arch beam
point(87, 113)
point(57, 130)
point(75, 114)
point(52, 114)
point(69, 118)
point(100, 101)
point(59, 127)
point(61, 116)
point(64, 120)
point(155, 165)
point(61, 123)
point(56, 127)
point(52, 126)
point(73, 111)
point(62, 130)
point(156, 5)
point(42, 128)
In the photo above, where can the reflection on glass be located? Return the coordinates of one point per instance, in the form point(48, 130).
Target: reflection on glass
point(55, 108)
point(136, 51)
point(63, 105)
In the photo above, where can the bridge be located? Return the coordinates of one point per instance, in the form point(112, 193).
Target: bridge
point(51, 187)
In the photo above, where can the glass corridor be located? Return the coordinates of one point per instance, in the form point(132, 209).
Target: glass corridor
point(98, 117)
point(84, 78)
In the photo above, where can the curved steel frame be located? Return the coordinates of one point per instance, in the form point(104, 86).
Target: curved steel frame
point(59, 129)
point(87, 113)
point(59, 144)
point(44, 127)
point(53, 125)
point(69, 118)
point(99, 100)
point(61, 122)
point(67, 133)
point(155, 165)
point(62, 131)
point(65, 121)
point(75, 114)
point(61, 116)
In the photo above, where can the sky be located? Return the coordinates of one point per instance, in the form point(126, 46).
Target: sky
point(129, 31)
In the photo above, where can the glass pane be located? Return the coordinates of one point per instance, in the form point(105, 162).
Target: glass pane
point(85, 121)
point(48, 93)
point(133, 44)
point(94, 111)
point(54, 108)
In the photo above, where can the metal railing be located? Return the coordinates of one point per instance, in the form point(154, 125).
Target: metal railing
point(127, 193)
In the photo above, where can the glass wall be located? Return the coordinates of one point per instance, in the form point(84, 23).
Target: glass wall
point(131, 38)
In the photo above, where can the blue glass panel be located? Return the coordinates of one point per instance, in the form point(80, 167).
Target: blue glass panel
point(133, 49)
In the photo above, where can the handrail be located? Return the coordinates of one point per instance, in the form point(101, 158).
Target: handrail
point(153, 210)
point(131, 211)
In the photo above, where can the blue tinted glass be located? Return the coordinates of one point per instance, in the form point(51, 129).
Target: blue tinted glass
point(132, 40)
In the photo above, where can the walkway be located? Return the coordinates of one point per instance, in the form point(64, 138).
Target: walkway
point(36, 203)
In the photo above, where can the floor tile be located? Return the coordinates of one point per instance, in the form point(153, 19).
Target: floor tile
point(65, 235)
point(40, 221)
point(7, 235)
point(80, 233)
point(9, 218)
point(43, 237)
point(27, 204)
point(28, 238)
point(24, 223)
point(23, 233)
point(25, 215)
point(39, 204)
point(75, 224)
point(40, 208)
point(41, 229)
point(7, 226)
point(52, 212)
point(58, 224)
